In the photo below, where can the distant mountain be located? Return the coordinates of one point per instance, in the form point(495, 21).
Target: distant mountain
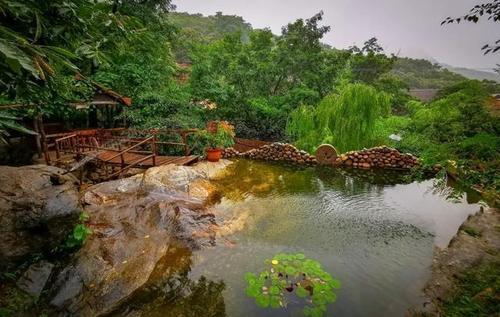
point(423, 74)
point(473, 73)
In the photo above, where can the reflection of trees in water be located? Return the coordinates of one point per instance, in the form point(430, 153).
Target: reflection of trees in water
point(262, 179)
point(355, 181)
point(454, 191)
point(170, 292)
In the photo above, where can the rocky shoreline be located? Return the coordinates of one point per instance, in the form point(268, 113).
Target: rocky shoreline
point(136, 223)
point(477, 243)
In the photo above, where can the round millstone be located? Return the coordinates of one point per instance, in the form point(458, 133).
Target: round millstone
point(326, 154)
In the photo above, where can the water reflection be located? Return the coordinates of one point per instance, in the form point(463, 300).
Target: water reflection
point(374, 230)
point(247, 178)
point(170, 292)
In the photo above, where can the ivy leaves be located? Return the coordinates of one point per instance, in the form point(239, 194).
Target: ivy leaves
point(79, 234)
point(292, 275)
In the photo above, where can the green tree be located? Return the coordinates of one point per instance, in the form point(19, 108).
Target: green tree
point(369, 62)
point(347, 119)
point(490, 11)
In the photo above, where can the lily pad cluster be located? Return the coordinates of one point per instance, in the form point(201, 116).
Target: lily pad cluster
point(293, 278)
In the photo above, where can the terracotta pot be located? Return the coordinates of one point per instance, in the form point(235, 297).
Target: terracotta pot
point(213, 155)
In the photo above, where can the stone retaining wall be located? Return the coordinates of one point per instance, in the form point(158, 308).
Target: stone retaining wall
point(274, 152)
point(377, 157)
point(380, 157)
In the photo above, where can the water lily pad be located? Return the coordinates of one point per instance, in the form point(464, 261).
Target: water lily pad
point(263, 301)
point(334, 283)
point(301, 292)
point(275, 301)
point(290, 270)
point(253, 291)
point(274, 290)
point(273, 287)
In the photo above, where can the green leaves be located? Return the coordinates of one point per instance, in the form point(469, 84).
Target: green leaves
point(301, 292)
point(263, 300)
point(347, 119)
point(292, 274)
point(80, 233)
point(7, 123)
point(274, 290)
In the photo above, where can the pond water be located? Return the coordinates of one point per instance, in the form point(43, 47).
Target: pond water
point(373, 231)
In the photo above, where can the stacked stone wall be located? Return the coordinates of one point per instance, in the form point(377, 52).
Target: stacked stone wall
point(274, 152)
point(377, 157)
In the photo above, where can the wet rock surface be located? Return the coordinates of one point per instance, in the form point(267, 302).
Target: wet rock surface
point(135, 221)
point(38, 206)
point(35, 278)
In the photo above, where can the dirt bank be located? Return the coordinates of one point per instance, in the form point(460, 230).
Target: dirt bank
point(463, 274)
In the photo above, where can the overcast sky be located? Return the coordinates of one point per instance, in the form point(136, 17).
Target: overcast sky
point(410, 27)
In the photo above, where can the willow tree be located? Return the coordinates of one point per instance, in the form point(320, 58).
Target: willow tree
point(303, 128)
point(345, 119)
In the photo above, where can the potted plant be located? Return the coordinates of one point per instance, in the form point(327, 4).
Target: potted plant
point(212, 142)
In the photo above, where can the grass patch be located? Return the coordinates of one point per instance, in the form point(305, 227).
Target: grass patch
point(14, 302)
point(471, 231)
point(478, 293)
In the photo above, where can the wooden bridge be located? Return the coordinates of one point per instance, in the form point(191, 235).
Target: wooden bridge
point(118, 150)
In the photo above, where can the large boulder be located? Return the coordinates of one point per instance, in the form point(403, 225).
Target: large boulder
point(136, 223)
point(37, 207)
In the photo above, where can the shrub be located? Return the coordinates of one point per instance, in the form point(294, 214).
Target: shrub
point(222, 137)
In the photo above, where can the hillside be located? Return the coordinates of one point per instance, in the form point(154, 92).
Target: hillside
point(416, 73)
point(473, 73)
point(421, 73)
point(197, 28)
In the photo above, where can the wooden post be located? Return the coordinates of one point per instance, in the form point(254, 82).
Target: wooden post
point(121, 156)
point(153, 146)
point(184, 140)
point(37, 137)
point(87, 117)
point(105, 169)
point(58, 155)
point(44, 139)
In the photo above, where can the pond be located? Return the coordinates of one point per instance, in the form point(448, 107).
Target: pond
point(372, 230)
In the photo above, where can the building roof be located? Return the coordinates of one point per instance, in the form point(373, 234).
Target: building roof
point(425, 95)
point(102, 91)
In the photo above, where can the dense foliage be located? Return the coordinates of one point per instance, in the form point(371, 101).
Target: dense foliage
point(195, 29)
point(421, 73)
point(346, 118)
point(458, 130)
point(7, 123)
point(183, 70)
